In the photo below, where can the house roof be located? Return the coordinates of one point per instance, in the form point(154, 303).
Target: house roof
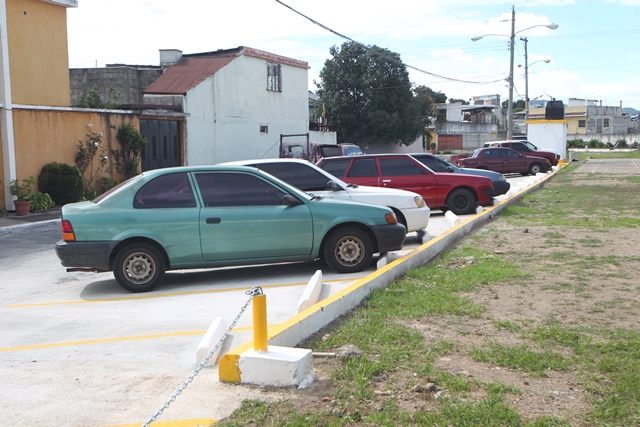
point(187, 74)
point(194, 68)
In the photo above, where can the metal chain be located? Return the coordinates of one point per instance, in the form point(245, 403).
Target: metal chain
point(256, 290)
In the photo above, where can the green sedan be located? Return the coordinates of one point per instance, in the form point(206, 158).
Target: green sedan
point(215, 216)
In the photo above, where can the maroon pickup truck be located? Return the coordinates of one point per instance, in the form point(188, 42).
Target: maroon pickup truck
point(526, 149)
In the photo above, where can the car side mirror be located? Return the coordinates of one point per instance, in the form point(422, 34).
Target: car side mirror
point(449, 168)
point(289, 200)
point(332, 186)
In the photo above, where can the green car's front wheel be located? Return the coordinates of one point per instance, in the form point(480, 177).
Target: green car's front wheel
point(139, 267)
point(348, 250)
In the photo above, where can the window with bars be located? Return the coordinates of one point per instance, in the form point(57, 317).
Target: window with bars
point(582, 123)
point(274, 77)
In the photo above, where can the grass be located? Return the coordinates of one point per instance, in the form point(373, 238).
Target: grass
point(605, 360)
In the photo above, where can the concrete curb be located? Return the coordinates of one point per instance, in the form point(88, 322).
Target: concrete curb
point(27, 225)
point(316, 317)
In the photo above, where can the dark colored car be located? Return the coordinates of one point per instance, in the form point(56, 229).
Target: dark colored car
point(457, 192)
point(436, 164)
point(506, 160)
point(215, 216)
point(525, 148)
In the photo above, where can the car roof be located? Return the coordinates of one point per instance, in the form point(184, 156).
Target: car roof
point(258, 161)
point(364, 156)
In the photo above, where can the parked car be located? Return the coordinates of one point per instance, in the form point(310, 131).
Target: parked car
point(506, 160)
point(457, 192)
point(409, 207)
point(526, 148)
point(436, 164)
point(312, 151)
point(214, 216)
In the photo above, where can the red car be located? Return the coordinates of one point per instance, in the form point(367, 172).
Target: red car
point(457, 192)
point(505, 160)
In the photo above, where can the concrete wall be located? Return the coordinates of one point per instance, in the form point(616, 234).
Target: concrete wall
point(227, 110)
point(128, 82)
point(38, 53)
point(548, 134)
point(48, 135)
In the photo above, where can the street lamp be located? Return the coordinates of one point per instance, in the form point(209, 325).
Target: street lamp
point(511, 40)
point(526, 78)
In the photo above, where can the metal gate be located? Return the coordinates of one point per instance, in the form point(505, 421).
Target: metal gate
point(163, 150)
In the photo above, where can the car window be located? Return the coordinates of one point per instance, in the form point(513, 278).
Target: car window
point(336, 167)
point(362, 168)
point(299, 175)
point(226, 189)
point(510, 154)
point(476, 154)
point(433, 163)
point(331, 151)
point(351, 151)
point(400, 166)
point(530, 145)
point(491, 154)
point(519, 147)
point(166, 191)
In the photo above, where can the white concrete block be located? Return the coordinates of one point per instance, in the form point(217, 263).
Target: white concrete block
point(479, 209)
point(277, 367)
point(210, 339)
point(311, 294)
point(452, 218)
point(424, 236)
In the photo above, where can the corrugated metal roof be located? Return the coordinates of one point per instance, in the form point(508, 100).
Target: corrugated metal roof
point(187, 74)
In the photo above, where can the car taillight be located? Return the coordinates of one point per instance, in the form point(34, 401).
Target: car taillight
point(67, 231)
point(391, 218)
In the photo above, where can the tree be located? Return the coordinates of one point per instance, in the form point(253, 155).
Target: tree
point(368, 96)
point(462, 101)
point(92, 99)
point(518, 105)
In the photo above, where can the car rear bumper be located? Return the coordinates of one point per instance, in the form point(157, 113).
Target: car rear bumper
point(390, 237)
point(91, 255)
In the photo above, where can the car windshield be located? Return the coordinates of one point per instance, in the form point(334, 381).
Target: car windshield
point(530, 145)
point(475, 153)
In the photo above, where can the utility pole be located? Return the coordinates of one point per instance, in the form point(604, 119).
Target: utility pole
point(510, 105)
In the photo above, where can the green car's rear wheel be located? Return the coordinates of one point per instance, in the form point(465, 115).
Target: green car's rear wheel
point(139, 267)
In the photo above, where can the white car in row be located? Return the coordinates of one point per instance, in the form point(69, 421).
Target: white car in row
point(409, 207)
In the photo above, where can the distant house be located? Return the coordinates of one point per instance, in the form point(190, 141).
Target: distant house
point(237, 102)
point(467, 126)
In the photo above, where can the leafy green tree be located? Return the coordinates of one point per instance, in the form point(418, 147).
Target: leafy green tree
point(367, 96)
point(133, 143)
point(518, 105)
point(462, 101)
point(428, 101)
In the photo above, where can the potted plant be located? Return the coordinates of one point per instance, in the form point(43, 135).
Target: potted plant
point(432, 147)
point(23, 194)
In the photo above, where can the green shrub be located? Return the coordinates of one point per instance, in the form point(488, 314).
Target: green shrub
point(61, 181)
point(40, 202)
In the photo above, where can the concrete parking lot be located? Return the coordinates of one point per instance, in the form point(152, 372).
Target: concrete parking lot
point(77, 350)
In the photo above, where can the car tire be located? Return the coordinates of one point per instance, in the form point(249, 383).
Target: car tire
point(461, 201)
point(534, 168)
point(348, 250)
point(139, 267)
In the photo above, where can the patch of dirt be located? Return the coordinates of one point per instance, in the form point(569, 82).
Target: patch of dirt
point(597, 289)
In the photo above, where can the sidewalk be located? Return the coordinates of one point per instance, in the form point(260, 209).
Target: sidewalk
point(12, 222)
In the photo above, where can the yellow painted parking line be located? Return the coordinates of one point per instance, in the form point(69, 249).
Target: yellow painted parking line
point(136, 297)
point(116, 339)
point(175, 423)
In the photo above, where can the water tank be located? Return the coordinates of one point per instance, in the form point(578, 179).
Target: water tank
point(554, 110)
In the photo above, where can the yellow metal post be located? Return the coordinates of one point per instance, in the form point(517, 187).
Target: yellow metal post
point(259, 304)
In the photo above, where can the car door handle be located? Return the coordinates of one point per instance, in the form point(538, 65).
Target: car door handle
point(386, 180)
point(213, 220)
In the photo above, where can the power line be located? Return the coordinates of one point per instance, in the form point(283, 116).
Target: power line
point(388, 58)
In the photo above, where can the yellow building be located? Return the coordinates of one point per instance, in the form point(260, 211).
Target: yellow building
point(37, 124)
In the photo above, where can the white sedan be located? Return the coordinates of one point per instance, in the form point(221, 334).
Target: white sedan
point(408, 206)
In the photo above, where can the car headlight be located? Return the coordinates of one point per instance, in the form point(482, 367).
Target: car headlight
point(502, 178)
point(419, 201)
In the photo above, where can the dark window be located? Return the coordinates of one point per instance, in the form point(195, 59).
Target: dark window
point(332, 151)
point(237, 189)
point(434, 163)
point(605, 123)
point(166, 191)
point(400, 167)
point(582, 123)
point(264, 129)
point(362, 168)
point(521, 148)
point(336, 168)
point(509, 154)
point(491, 154)
point(299, 175)
point(274, 77)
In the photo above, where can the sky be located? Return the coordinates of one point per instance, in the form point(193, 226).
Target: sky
point(593, 54)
